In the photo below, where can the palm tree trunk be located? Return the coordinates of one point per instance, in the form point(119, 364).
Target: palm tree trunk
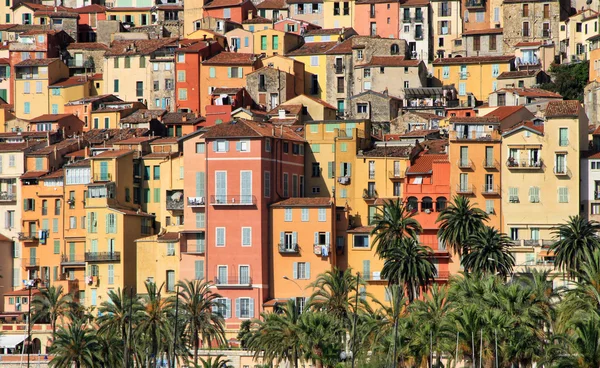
point(196, 344)
point(295, 357)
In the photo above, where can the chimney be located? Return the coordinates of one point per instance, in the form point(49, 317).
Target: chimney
point(184, 117)
point(250, 14)
point(204, 37)
point(281, 114)
point(385, 91)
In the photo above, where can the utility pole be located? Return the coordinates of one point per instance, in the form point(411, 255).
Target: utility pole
point(175, 332)
point(355, 317)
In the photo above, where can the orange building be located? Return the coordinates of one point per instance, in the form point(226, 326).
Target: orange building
point(83, 108)
point(225, 70)
point(303, 233)
point(376, 18)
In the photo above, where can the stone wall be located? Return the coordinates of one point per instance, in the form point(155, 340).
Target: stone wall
point(513, 23)
point(276, 81)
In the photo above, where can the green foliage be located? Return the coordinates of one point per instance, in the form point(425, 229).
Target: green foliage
point(244, 333)
point(569, 80)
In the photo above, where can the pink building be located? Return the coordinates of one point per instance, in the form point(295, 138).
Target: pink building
point(234, 10)
point(296, 26)
point(377, 18)
point(89, 16)
point(247, 166)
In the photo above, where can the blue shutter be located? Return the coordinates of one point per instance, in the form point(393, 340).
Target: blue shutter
point(295, 271)
point(200, 184)
point(251, 308)
point(307, 270)
point(237, 307)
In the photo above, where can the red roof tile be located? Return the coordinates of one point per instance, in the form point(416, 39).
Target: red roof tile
point(93, 8)
point(502, 112)
point(407, 3)
point(483, 31)
point(272, 4)
point(313, 48)
point(528, 44)
point(88, 46)
point(389, 151)
point(532, 92)
point(141, 47)
point(423, 164)
point(518, 74)
point(69, 82)
point(135, 140)
point(36, 62)
point(33, 174)
point(527, 124)
point(474, 119)
point(257, 20)
point(231, 58)
point(49, 118)
point(223, 3)
point(128, 9)
point(558, 109)
point(419, 133)
point(474, 60)
point(391, 61)
point(246, 128)
point(327, 31)
point(304, 202)
point(112, 154)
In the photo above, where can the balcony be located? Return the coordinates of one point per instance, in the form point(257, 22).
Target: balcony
point(370, 195)
point(174, 200)
point(28, 237)
point(102, 256)
point(233, 280)
point(339, 69)
point(562, 171)
point(514, 164)
point(372, 276)
point(72, 260)
point(442, 275)
point(30, 262)
point(531, 242)
point(344, 180)
point(418, 36)
point(491, 164)
point(473, 4)
point(288, 248)
point(102, 177)
point(8, 197)
point(465, 164)
point(396, 175)
point(491, 135)
point(465, 189)
point(490, 190)
point(234, 200)
point(406, 20)
point(196, 201)
point(419, 18)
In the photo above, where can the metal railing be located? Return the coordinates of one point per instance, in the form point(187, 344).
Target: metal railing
point(490, 189)
point(175, 202)
point(196, 201)
point(465, 189)
point(525, 164)
point(491, 164)
point(8, 197)
point(102, 256)
point(392, 174)
point(370, 194)
point(465, 163)
point(102, 177)
point(233, 279)
point(72, 259)
point(28, 236)
point(288, 248)
point(233, 200)
point(30, 262)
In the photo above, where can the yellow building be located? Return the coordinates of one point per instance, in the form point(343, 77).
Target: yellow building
point(474, 75)
point(273, 42)
point(66, 90)
point(541, 178)
point(474, 154)
point(308, 108)
point(338, 14)
point(109, 115)
point(130, 16)
point(304, 246)
point(578, 28)
point(32, 81)
point(313, 56)
point(158, 258)
point(111, 251)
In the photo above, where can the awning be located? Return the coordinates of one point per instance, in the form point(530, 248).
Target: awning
point(11, 341)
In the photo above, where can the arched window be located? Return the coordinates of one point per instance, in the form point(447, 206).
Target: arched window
point(440, 204)
point(427, 204)
point(395, 49)
point(413, 204)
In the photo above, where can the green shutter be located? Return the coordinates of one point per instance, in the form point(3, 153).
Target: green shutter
point(56, 246)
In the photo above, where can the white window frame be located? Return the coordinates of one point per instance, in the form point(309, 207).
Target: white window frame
point(217, 237)
point(242, 240)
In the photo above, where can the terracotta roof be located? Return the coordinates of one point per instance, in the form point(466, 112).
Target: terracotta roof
point(12, 147)
point(79, 153)
point(304, 202)
point(532, 92)
point(361, 229)
point(36, 62)
point(33, 174)
point(128, 9)
point(144, 116)
point(56, 14)
point(135, 140)
point(231, 58)
point(160, 155)
point(389, 151)
point(313, 48)
point(391, 61)
point(435, 146)
point(327, 31)
point(168, 237)
point(98, 136)
point(376, 1)
point(414, 3)
point(474, 119)
point(528, 44)
point(483, 31)
point(223, 3)
point(4, 27)
point(558, 109)
point(502, 112)
point(319, 101)
point(177, 118)
point(33, 32)
point(527, 124)
point(246, 128)
point(166, 140)
point(420, 133)
point(69, 82)
point(426, 115)
point(60, 146)
point(272, 4)
point(474, 60)
point(93, 8)
point(344, 47)
point(53, 175)
point(423, 164)
point(80, 163)
point(4, 61)
point(141, 47)
point(257, 20)
point(127, 211)
point(49, 118)
point(518, 74)
point(289, 109)
point(170, 7)
point(379, 94)
point(112, 154)
point(226, 90)
point(90, 99)
point(88, 46)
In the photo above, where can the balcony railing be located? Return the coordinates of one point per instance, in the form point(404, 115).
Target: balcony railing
point(344, 180)
point(396, 175)
point(288, 248)
point(233, 200)
point(475, 4)
point(480, 136)
point(233, 280)
point(372, 276)
point(513, 164)
point(491, 164)
point(174, 199)
point(72, 259)
point(103, 177)
point(465, 163)
point(562, 171)
point(339, 69)
point(8, 197)
point(490, 189)
point(28, 236)
point(406, 19)
point(196, 201)
point(370, 194)
point(30, 262)
point(102, 256)
point(465, 189)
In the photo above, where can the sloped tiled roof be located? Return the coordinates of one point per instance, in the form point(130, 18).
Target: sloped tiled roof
point(423, 164)
point(49, 118)
point(419, 133)
point(246, 128)
point(272, 4)
point(143, 116)
point(518, 74)
point(37, 62)
point(92, 8)
point(91, 46)
point(313, 48)
point(223, 3)
point(532, 92)
point(257, 20)
point(231, 58)
point(315, 201)
point(390, 151)
point(474, 119)
point(141, 47)
point(502, 112)
point(69, 82)
point(474, 60)
point(483, 31)
point(391, 61)
point(557, 109)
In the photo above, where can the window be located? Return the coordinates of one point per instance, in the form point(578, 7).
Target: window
point(220, 236)
point(361, 241)
point(267, 187)
point(221, 146)
point(316, 170)
point(139, 89)
point(170, 249)
point(322, 214)
point(26, 108)
point(476, 43)
point(200, 147)
point(116, 85)
point(367, 73)
point(534, 194)
point(223, 306)
point(111, 274)
point(525, 12)
point(170, 281)
point(72, 222)
point(489, 206)
point(301, 270)
point(514, 233)
point(563, 139)
point(244, 308)
point(246, 236)
point(513, 195)
point(362, 108)
point(525, 29)
point(563, 195)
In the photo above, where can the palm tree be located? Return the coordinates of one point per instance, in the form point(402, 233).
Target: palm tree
point(458, 221)
point(50, 304)
point(218, 361)
point(582, 346)
point(335, 292)
point(488, 252)
point(197, 302)
point(577, 239)
point(319, 335)
point(276, 336)
point(156, 321)
point(75, 343)
point(392, 223)
point(410, 265)
point(584, 298)
point(109, 356)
